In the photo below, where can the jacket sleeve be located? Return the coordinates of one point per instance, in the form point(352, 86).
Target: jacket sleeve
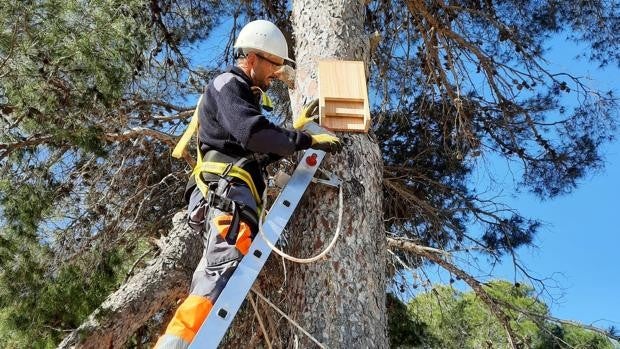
point(244, 121)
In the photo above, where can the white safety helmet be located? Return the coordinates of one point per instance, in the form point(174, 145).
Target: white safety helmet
point(263, 36)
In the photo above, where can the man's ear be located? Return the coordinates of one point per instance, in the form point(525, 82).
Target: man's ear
point(250, 59)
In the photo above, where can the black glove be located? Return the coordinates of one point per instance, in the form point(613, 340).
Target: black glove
point(327, 143)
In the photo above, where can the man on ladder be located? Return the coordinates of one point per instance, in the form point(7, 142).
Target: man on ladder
point(235, 143)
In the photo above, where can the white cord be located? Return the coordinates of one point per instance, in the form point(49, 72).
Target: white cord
point(297, 260)
point(320, 255)
point(288, 318)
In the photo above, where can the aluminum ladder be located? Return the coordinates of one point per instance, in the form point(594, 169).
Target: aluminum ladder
point(225, 308)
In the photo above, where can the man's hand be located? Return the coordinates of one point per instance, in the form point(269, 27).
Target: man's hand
point(327, 143)
point(307, 114)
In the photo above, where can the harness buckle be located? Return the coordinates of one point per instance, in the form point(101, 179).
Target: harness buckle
point(211, 198)
point(227, 170)
point(220, 202)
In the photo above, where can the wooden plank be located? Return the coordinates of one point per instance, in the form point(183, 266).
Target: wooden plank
point(342, 79)
point(344, 108)
point(352, 112)
point(343, 97)
point(346, 124)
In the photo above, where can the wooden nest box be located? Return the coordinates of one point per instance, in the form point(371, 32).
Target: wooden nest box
point(343, 97)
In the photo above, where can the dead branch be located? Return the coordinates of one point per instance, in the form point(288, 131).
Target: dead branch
point(409, 246)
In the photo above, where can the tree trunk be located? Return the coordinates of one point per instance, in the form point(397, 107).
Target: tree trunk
point(154, 288)
point(340, 300)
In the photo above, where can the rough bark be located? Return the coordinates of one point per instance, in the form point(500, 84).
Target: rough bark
point(339, 300)
point(156, 287)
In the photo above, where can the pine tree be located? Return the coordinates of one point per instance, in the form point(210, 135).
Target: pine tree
point(455, 319)
point(94, 94)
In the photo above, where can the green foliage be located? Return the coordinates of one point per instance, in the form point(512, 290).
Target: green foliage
point(454, 319)
point(580, 339)
point(50, 301)
point(404, 330)
point(88, 139)
point(66, 68)
point(448, 100)
point(68, 57)
point(25, 206)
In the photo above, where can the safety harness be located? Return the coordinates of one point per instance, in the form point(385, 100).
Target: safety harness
point(213, 172)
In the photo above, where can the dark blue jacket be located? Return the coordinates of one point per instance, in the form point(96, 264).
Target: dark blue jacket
point(231, 121)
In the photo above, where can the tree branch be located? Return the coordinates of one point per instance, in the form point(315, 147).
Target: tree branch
point(156, 287)
point(140, 131)
point(8, 148)
point(409, 246)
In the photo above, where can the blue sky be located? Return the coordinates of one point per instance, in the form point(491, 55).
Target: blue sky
point(578, 244)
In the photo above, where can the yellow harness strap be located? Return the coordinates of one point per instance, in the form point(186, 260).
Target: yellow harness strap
point(219, 168)
point(187, 135)
point(225, 170)
point(266, 101)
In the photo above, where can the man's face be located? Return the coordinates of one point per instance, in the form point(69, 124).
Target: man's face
point(263, 70)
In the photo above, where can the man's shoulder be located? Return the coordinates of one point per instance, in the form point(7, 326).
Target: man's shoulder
point(227, 78)
point(230, 78)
